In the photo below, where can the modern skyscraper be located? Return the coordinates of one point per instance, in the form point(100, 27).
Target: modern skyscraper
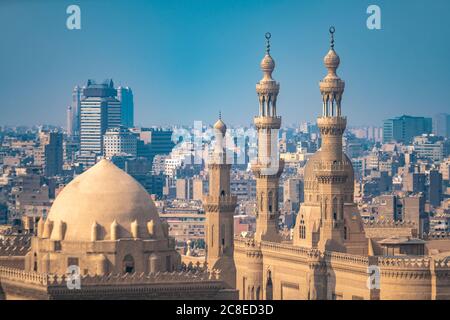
point(268, 166)
point(125, 96)
point(405, 128)
point(73, 112)
point(441, 125)
point(100, 110)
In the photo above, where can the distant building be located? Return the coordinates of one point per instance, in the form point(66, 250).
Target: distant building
point(119, 141)
point(184, 189)
point(414, 182)
point(292, 194)
point(198, 188)
point(125, 96)
point(73, 112)
point(435, 188)
point(404, 128)
point(441, 125)
point(100, 110)
point(414, 211)
point(102, 107)
point(432, 147)
point(49, 154)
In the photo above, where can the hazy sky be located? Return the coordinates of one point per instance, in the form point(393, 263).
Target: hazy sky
point(187, 59)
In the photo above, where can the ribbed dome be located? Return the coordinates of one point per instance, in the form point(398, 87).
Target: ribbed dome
point(102, 195)
point(332, 60)
point(267, 64)
point(310, 175)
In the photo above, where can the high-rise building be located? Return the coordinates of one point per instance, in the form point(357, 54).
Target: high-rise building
point(50, 153)
point(100, 110)
point(125, 96)
point(73, 112)
point(441, 125)
point(435, 188)
point(404, 128)
point(119, 141)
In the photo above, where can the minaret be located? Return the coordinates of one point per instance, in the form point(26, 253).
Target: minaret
point(219, 206)
point(268, 167)
point(332, 169)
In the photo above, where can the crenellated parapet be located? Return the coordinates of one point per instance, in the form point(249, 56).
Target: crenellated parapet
point(437, 236)
point(17, 246)
point(109, 279)
point(332, 126)
point(388, 223)
point(225, 203)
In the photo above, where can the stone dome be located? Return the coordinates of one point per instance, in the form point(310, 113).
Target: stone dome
point(101, 196)
point(267, 64)
point(331, 60)
point(220, 125)
point(310, 177)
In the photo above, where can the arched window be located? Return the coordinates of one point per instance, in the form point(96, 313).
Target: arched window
point(35, 262)
point(269, 286)
point(262, 202)
point(345, 233)
point(270, 201)
point(335, 207)
point(128, 264)
point(302, 228)
point(222, 193)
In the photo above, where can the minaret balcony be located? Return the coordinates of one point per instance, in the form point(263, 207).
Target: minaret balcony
point(331, 84)
point(332, 121)
point(268, 169)
point(332, 125)
point(334, 172)
point(267, 122)
point(268, 87)
point(214, 203)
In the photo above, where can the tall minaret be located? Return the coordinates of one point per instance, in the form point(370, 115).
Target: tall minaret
point(268, 166)
point(332, 170)
point(219, 206)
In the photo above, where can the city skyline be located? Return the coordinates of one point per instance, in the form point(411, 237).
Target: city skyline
point(185, 62)
point(108, 209)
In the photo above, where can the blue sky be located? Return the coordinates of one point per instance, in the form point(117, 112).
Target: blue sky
point(186, 60)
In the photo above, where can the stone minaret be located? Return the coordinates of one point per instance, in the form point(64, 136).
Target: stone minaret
point(268, 167)
point(331, 171)
point(219, 205)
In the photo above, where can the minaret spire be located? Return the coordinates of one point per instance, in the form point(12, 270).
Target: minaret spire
point(219, 207)
point(331, 170)
point(268, 36)
point(268, 166)
point(332, 30)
